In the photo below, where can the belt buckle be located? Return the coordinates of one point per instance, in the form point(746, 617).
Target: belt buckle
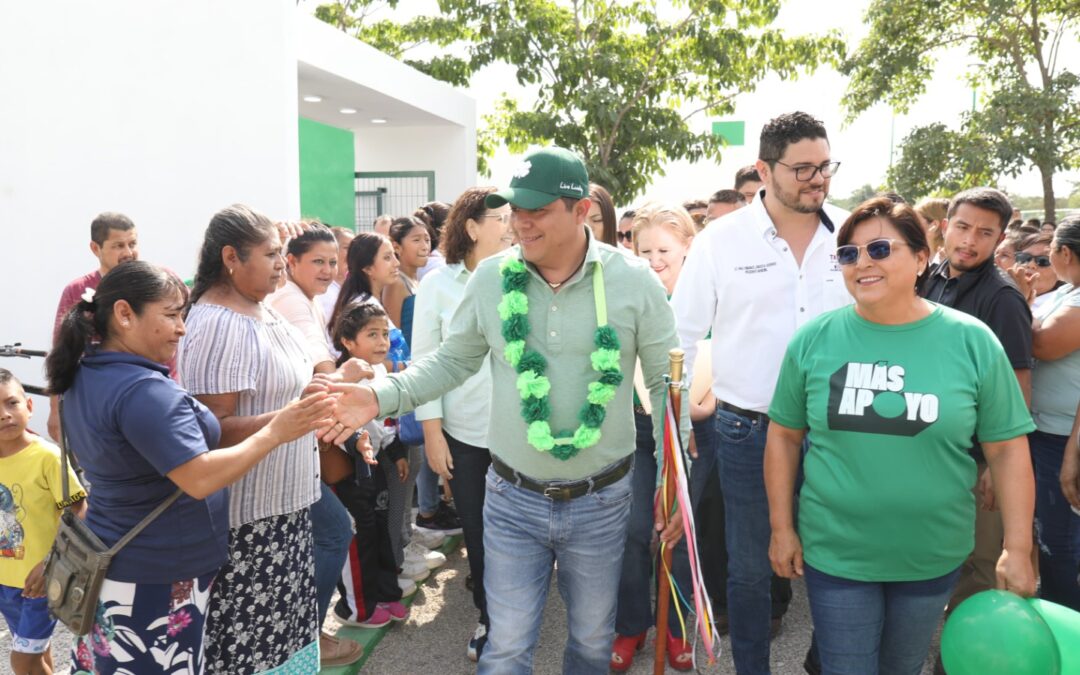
point(556, 493)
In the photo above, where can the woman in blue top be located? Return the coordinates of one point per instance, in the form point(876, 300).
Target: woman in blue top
point(139, 437)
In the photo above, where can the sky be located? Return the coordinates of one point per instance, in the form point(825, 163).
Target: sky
point(862, 147)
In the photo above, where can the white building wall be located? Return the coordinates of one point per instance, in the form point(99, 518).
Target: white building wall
point(449, 151)
point(163, 111)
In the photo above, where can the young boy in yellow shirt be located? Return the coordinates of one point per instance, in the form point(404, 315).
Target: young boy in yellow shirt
point(31, 500)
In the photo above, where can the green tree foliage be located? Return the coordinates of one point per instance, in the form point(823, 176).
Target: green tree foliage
point(618, 81)
point(936, 161)
point(857, 196)
point(1030, 114)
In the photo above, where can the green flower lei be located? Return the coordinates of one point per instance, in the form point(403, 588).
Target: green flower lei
point(535, 387)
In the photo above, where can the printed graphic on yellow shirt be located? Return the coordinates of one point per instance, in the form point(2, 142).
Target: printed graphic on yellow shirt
point(12, 514)
point(871, 398)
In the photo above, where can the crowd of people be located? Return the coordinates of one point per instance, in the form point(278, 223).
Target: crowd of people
point(884, 403)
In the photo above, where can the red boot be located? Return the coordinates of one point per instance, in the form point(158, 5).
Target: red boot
point(622, 652)
point(680, 655)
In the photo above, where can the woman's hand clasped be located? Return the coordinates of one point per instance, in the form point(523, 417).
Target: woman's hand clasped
point(356, 407)
point(313, 412)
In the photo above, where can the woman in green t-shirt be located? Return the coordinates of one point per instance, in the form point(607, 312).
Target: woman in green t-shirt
point(891, 392)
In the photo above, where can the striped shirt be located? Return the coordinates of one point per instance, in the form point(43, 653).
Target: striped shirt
point(265, 362)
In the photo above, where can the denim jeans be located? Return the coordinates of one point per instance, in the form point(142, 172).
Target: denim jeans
point(470, 468)
point(427, 488)
point(634, 612)
point(866, 628)
point(739, 459)
point(525, 534)
point(1058, 528)
point(331, 530)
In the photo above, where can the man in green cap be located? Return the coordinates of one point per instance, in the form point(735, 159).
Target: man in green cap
point(563, 318)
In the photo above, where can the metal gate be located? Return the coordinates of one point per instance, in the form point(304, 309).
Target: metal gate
point(397, 193)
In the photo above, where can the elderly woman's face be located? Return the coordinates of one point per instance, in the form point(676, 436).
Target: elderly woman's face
point(259, 275)
point(889, 279)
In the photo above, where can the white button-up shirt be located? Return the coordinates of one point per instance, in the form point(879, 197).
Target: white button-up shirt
point(464, 411)
point(742, 282)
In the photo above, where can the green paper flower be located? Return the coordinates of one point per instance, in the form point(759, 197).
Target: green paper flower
point(606, 338)
point(530, 384)
point(592, 415)
point(513, 352)
point(536, 409)
point(605, 359)
point(534, 361)
point(586, 437)
point(514, 281)
point(564, 451)
point(514, 302)
point(515, 328)
point(612, 377)
point(600, 393)
point(539, 436)
point(511, 264)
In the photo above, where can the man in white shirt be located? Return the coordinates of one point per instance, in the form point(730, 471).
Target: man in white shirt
point(752, 279)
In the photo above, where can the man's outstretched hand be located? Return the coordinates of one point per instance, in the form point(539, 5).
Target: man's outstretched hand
point(356, 407)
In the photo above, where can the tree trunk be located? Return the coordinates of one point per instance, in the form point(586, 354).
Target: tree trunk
point(1047, 173)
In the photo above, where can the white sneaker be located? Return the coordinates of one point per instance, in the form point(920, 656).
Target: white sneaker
point(415, 570)
point(429, 539)
point(432, 559)
point(408, 586)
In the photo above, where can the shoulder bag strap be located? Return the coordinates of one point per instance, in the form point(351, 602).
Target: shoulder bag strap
point(67, 491)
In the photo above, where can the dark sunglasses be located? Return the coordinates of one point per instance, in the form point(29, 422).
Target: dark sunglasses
point(879, 249)
point(1039, 260)
point(628, 235)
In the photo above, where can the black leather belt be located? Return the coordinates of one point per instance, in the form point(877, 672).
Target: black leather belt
point(759, 417)
point(562, 491)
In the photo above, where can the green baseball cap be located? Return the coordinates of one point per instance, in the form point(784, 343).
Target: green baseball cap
point(544, 176)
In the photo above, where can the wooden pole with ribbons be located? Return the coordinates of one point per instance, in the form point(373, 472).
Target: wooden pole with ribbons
point(667, 499)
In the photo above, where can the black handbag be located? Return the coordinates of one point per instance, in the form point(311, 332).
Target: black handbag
point(78, 561)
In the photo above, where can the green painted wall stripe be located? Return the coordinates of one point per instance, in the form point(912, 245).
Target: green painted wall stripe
point(732, 132)
point(327, 169)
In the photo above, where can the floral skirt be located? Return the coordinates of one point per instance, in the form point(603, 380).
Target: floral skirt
point(262, 616)
point(146, 629)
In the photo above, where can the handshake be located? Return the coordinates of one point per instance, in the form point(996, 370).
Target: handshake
point(333, 405)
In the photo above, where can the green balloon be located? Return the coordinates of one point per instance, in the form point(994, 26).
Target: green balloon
point(998, 633)
point(1065, 625)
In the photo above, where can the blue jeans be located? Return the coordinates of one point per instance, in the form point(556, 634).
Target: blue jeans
point(866, 628)
point(740, 452)
point(427, 488)
point(635, 610)
point(525, 533)
point(1057, 526)
point(332, 532)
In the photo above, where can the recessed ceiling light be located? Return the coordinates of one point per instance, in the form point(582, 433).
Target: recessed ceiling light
point(378, 120)
point(348, 111)
point(313, 99)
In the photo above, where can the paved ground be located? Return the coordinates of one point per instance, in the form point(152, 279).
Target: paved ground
point(434, 638)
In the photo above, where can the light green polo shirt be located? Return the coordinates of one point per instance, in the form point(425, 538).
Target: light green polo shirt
point(562, 326)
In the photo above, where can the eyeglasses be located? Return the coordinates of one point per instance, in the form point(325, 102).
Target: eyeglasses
point(504, 217)
point(879, 249)
point(804, 174)
point(1039, 260)
point(626, 236)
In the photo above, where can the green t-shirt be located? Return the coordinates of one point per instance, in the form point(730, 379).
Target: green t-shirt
point(891, 411)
